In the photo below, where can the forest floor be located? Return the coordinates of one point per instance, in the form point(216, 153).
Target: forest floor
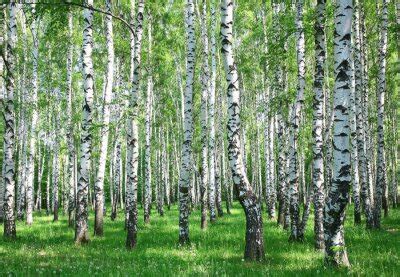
point(47, 248)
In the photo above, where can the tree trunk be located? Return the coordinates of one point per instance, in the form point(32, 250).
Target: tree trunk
point(9, 181)
point(318, 116)
point(34, 119)
point(149, 110)
point(22, 124)
point(338, 196)
point(81, 224)
point(116, 177)
point(361, 144)
point(295, 123)
point(99, 185)
point(3, 54)
point(186, 164)
point(381, 183)
point(48, 208)
point(70, 137)
point(207, 173)
point(254, 249)
point(56, 164)
point(133, 135)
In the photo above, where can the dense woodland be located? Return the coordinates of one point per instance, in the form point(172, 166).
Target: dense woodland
point(127, 110)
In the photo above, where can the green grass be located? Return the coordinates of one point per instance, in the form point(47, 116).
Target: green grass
point(47, 248)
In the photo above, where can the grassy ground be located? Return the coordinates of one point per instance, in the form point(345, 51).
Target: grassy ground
point(47, 248)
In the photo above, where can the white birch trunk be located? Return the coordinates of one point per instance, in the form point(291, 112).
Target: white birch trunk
point(81, 224)
point(3, 55)
point(70, 138)
point(56, 164)
point(207, 173)
point(338, 196)
point(186, 164)
point(34, 119)
point(254, 249)
point(294, 125)
point(9, 134)
point(149, 110)
point(318, 117)
point(133, 134)
point(99, 185)
point(381, 182)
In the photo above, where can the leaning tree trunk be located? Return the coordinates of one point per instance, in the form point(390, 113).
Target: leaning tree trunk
point(9, 165)
point(81, 218)
point(295, 122)
point(338, 196)
point(133, 135)
point(186, 164)
point(32, 139)
point(207, 173)
point(254, 249)
point(99, 185)
point(318, 116)
point(381, 183)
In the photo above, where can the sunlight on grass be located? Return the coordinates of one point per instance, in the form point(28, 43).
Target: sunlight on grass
point(47, 248)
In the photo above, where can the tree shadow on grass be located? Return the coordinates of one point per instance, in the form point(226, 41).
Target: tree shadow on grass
point(218, 250)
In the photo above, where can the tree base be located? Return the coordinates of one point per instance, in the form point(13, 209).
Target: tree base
point(82, 238)
point(81, 241)
point(254, 249)
point(339, 260)
point(131, 241)
point(183, 241)
point(10, 232)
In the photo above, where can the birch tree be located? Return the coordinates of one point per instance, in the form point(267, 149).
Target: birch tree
point(81, 223)
point(34, 120)
point(207, 154)
point(186, 167)
point(3, 37)
point(338, 195)
point(70, 139)
point(361, 120)
point(295, 123)
point(149, 110)
point(9, 135)
point(318, 115)
point(381, 181)
point(56, 163)
point(99, 185)
point(254, 249)
point(133, 134)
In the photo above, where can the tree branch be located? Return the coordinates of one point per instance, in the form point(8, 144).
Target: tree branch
point(83, 7)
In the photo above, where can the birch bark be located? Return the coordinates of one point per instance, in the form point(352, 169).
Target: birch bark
point(99, 185)
point(186, 164)
point(81, 224)
point(338, 196)
point(9, 135)
point(254, 249)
